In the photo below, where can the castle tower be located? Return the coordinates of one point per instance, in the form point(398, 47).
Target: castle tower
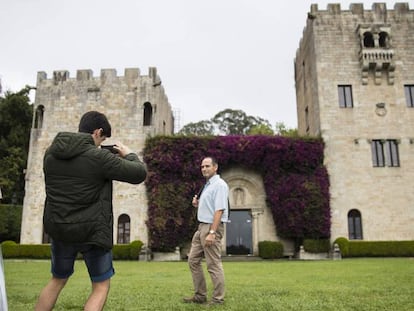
point(354, 72)
point(136, 107)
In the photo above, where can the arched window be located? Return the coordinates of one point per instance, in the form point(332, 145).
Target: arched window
point(368, 40)
point(383, 40)
point(40, 110)
point(124, 225)
point(354, 225)
point(147, 114)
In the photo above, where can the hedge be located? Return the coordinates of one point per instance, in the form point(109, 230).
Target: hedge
point(375, 248)
point(11, 249)
point(270, 249)
point(316, 245)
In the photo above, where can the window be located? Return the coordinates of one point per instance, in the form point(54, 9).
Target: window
point(147, 114)
point(40, 110)
point(345, 96)
point(46, 239)
point(383, 40)
point(377, 152)
point(307, 119)
point(123, 229)
point(409, 95)
point(354, 225)
point(368, 40)
point(391, 153)
point(385, 152)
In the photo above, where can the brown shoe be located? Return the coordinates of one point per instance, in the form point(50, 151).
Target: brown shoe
point(195, 300)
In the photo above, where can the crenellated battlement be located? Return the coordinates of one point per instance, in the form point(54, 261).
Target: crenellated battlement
point(107, 76)
point(377, 11)
point(376, 14)
point(371, 34)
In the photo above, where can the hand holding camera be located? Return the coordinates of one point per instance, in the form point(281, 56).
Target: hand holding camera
point(118, 148)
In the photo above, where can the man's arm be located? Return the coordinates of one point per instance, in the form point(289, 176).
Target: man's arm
point(217, 220)
point(126, 166)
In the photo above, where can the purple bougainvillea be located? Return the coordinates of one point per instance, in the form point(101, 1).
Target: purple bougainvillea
point(295, 181)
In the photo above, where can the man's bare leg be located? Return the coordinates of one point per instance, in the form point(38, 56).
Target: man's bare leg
point(97, 298)
point(50, 294)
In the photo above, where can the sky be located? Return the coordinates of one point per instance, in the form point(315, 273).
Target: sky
point(210, 55)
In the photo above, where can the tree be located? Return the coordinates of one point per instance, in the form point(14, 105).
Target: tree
point(201, 128)
point(15, 123)
point(261, 129)
point(282, 130)
point(236, 122)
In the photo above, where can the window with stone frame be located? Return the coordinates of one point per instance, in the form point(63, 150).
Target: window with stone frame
point(368, 40)
point(148, 114)
point(409, 95)
point(354, 225)
point(124, 225)
point(391, 153)
point(385, 153)
point(345, 96)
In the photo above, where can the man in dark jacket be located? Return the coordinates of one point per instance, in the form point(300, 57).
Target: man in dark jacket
point(78, 209)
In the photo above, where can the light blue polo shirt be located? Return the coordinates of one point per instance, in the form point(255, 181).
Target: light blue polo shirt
point(214, 197)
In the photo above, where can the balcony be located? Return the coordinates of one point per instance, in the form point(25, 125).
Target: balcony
point(378, 61)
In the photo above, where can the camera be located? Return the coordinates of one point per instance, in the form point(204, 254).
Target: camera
point(110, 148)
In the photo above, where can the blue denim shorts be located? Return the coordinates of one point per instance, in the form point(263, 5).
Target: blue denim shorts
point(97, 260)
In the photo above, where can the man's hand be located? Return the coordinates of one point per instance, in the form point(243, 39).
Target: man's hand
point(210, 239)
point(195, 201)
point(122, 149)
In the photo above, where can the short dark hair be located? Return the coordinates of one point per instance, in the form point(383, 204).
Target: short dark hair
point(93, 120)
point(213, 160)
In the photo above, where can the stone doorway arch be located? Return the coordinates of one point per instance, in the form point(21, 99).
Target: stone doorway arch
point(247, 194)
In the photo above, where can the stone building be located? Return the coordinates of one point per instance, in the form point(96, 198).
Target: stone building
point(136, 106)
point(354, 73)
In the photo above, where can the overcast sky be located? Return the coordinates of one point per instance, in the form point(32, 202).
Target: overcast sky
point(210, 55)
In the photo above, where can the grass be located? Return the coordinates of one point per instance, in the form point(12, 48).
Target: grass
point(349, 284)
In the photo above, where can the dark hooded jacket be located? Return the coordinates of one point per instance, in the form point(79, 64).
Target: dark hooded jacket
point(78, 178)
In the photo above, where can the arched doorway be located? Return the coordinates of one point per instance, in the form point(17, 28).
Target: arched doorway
point(250, 219)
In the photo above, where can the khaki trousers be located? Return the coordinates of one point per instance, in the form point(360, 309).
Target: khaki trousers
point(212, 255)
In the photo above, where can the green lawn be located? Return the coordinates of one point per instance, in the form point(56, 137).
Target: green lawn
point(349, 284)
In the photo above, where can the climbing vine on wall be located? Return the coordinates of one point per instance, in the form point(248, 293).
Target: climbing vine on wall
point(295, 180)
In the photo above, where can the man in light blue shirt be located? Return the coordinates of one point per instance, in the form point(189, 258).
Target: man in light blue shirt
point(212, 214)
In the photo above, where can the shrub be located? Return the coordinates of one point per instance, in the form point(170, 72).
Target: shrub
point(360, 248)
point(135, 249)
point(121, 251)
point(41, 251)
point(343, 244)
point(381, 248)
point(10, 222)
point(270, 249)
point(11, 249)
point(316, 245)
